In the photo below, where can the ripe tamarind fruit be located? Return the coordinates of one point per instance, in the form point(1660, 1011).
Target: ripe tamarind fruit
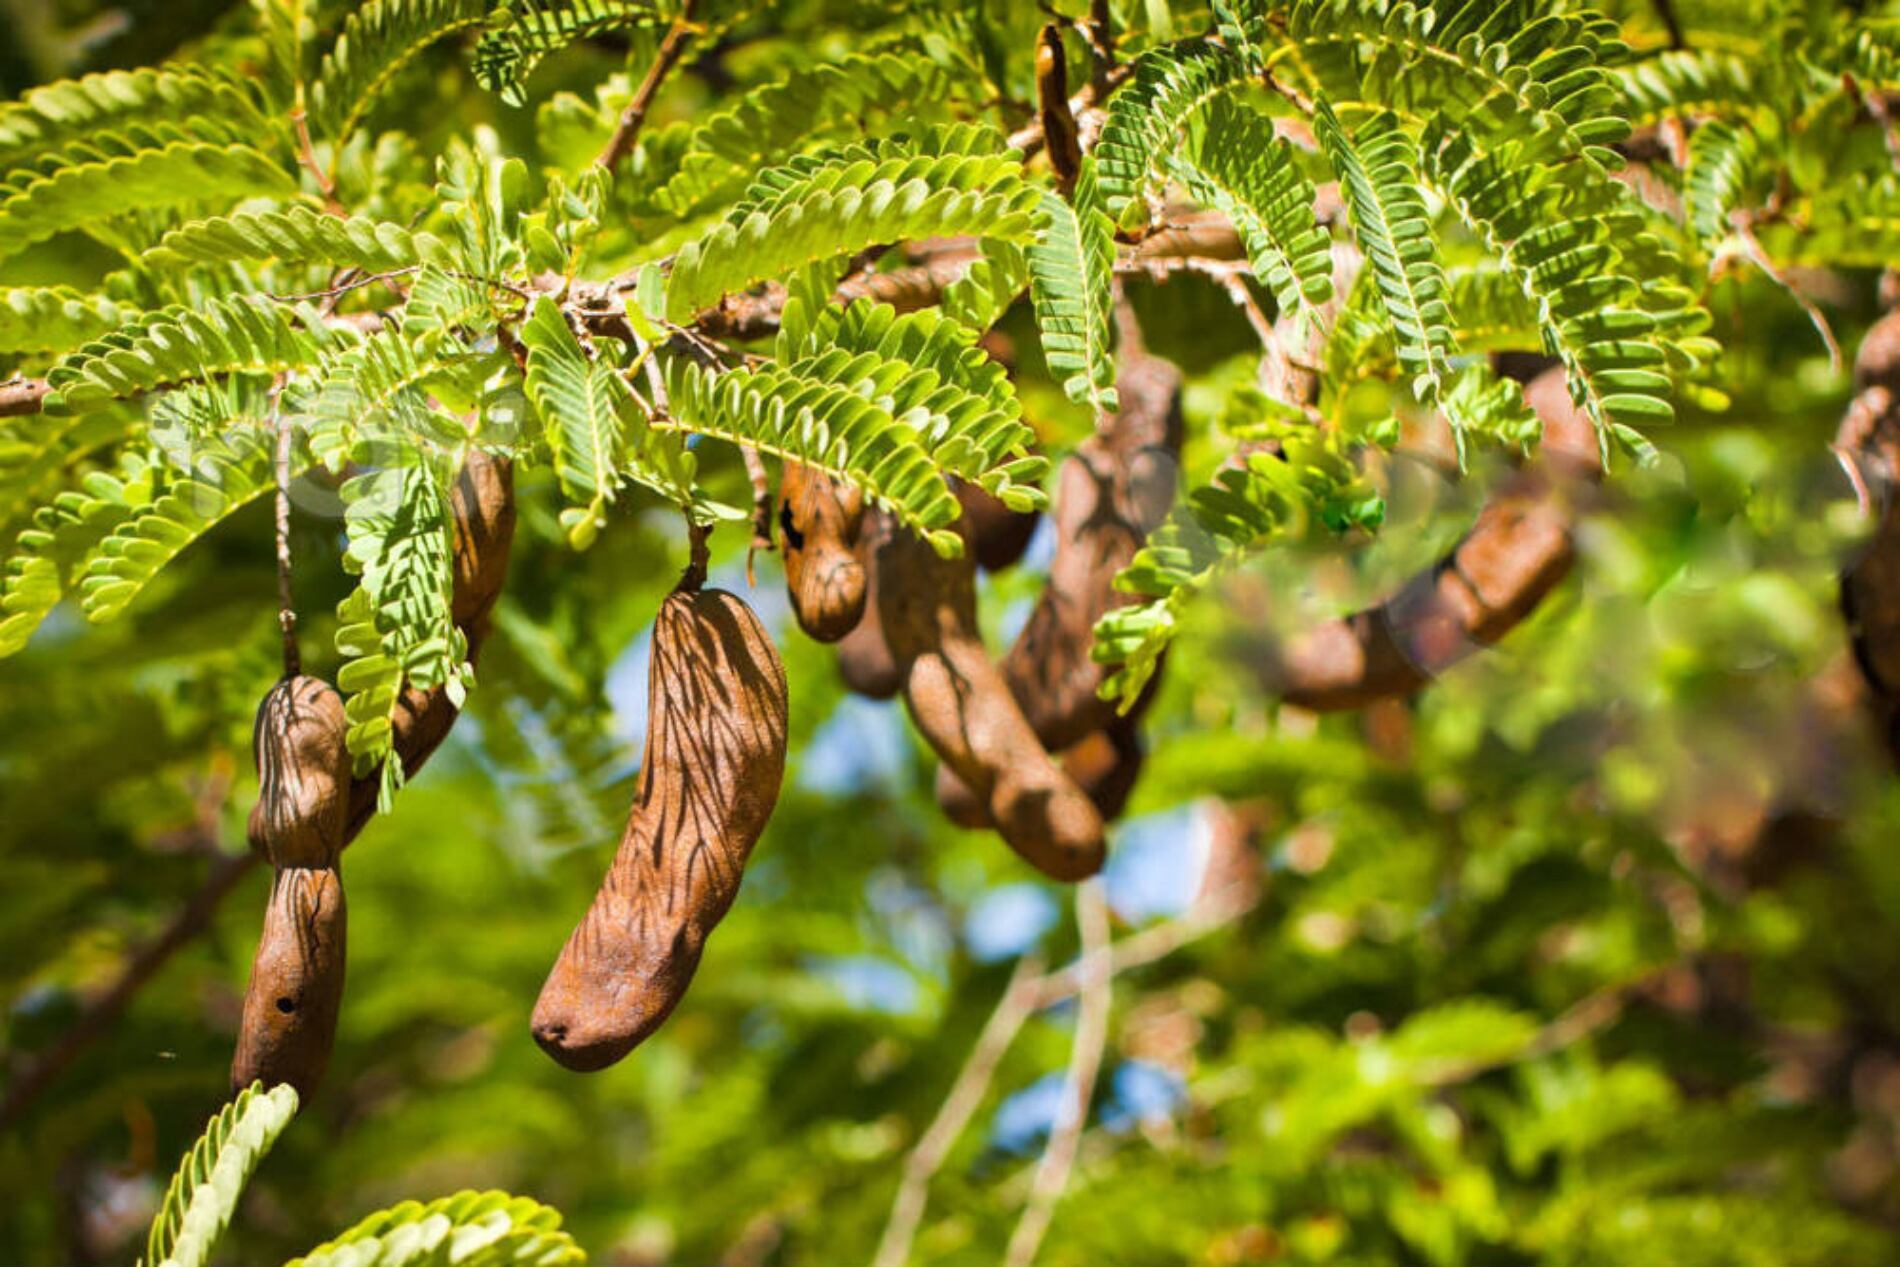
point(483, 503)
point(998, 534)
point(1114, 489)
point(864, 658)
point(819, 523)
point(1105, 765)
point(300, 824)
point(961, 703)
point(715, 756)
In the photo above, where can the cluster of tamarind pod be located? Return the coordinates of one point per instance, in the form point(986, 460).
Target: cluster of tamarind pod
point(1028, 748)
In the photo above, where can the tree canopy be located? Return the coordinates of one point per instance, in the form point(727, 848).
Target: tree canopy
point(1422, 472)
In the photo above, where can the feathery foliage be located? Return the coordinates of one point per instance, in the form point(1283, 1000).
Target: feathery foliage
point(378, 39)
point(204, 1192)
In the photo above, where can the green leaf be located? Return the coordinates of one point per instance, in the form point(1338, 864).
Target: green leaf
point(377, 41)
point(926, 370)
point(82, 193)
point(53, 318)
point(397, 627)
point(226, 476)
point(1238, 167)
point(469, 1229)
point(1380, 181)
point(58, 114)
point(1071, 286)
point(178, 345)
point(595, 427)
point(297, 235)
point(824, 425)
point(204, 1192)
point(526, 31)
point(1167, 85)
point(842, 207)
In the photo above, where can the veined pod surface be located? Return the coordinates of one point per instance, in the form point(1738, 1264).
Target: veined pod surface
point(960, 702)
point(715, 757)
point(865, 661)
point(300, 823)
point(819, 522)
point(1112, 491)
point(296, 989)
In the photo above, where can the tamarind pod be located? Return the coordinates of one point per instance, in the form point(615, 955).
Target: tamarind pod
point(1111, 492)
point(1105, 765)
point(864, 658)
point(296, 987)
point(483, 502)
point(819, 521)
point(962, 705)
point(1877, 361)
point(715, 757)
point(303, 774)
point(998, 534)
point(1519, 550)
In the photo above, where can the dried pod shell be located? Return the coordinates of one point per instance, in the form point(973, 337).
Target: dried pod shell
point(296, 989)
point(1105, 765)
point(819, 522)
point(998, 534)
point(715, 757)
point(964, 709)
point(303, 773)
point(865, 661)
point(1110, 493)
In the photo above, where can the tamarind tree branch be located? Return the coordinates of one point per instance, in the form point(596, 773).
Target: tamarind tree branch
point(1519, 550)
point(1078, 1088)
point(20, 396)
point(672, 47)
point(280, 468)
point(103, 1010)
point(1018, 1003)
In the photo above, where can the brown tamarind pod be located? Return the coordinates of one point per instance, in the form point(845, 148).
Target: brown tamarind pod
point(1877, 362)
point(998, 534)
point(864, 658)
point(819, 522)
point(715, 756)
point(1111, 492)
point(296, 989)
point(483, 502)
point(1105, 765)
point(961, 703)
point(300, 823)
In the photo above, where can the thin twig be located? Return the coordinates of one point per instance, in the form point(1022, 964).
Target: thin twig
point(307, 155)
point(286, 605)
point(761, 507)
point(672, 47)
point(103, 1010)
point(1078, 1088)
point(349, 280)
point(1209, 914)
point(1666, 11)
point(972, 1083)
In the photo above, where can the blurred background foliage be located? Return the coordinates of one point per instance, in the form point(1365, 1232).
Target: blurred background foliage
point(1585, 955)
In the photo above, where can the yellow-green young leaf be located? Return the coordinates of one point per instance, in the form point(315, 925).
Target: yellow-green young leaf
point(205, 1190)
point(211, 104)
point(226, 476)
point(1071, 285)
point(82, 193)
point(469, 1229)
point(823, 424)
point(838, 208)
point(524, 33)
point(377, 41)
point(595, 428)
point(297, 235)
point(54, 318)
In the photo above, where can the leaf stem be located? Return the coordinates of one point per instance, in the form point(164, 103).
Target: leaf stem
point(672, 48)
